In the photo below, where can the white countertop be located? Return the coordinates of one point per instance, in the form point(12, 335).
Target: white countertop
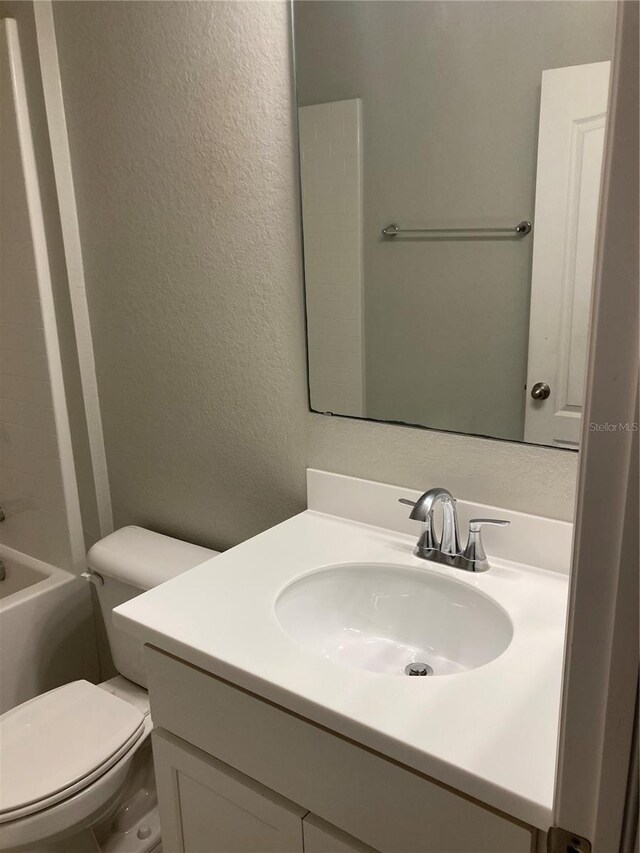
point(490, 732)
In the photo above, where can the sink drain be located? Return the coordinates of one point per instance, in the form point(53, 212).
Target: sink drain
point(418, 668)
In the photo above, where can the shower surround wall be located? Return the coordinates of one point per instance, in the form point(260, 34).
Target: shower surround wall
point(331, 167)
point(37, 490)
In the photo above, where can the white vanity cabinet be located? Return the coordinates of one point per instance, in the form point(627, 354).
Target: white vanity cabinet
point(238, 774)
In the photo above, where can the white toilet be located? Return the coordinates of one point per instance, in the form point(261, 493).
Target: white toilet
point(76, 771)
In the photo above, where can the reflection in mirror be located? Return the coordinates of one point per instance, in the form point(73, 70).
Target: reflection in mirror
point(431, 135)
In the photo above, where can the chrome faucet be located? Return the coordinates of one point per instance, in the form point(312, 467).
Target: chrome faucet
point(448, 551)
point(423, 511)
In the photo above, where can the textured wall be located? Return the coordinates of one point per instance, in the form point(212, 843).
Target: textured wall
point(181, 129)
point(180, 132)
point(450, 127)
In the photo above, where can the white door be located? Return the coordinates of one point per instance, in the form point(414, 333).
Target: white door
point(573, 109)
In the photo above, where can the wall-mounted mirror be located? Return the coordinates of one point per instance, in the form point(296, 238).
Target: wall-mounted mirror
point(451, 158)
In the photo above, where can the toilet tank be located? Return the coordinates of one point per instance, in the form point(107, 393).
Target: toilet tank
point(126, 564)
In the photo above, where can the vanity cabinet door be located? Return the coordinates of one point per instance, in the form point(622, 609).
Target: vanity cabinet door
point(322, 837)
point(207, 807)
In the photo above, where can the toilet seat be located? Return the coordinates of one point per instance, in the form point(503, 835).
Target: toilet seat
point(59, 743)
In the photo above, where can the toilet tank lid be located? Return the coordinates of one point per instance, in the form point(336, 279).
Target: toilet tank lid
point(144, 559)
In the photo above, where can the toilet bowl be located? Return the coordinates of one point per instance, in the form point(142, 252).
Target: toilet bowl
point(76, 771)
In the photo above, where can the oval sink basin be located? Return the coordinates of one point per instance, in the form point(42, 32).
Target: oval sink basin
point(382, 618)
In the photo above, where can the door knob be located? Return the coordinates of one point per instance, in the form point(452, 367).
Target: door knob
point(540, 391)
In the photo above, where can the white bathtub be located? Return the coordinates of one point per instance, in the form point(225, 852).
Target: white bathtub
point(47, 634)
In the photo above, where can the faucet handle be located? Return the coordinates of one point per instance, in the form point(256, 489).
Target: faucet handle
point(476, 524)
point(406, 502)
point(474, 553)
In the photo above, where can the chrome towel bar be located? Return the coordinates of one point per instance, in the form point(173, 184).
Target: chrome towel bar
point(518, 230)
